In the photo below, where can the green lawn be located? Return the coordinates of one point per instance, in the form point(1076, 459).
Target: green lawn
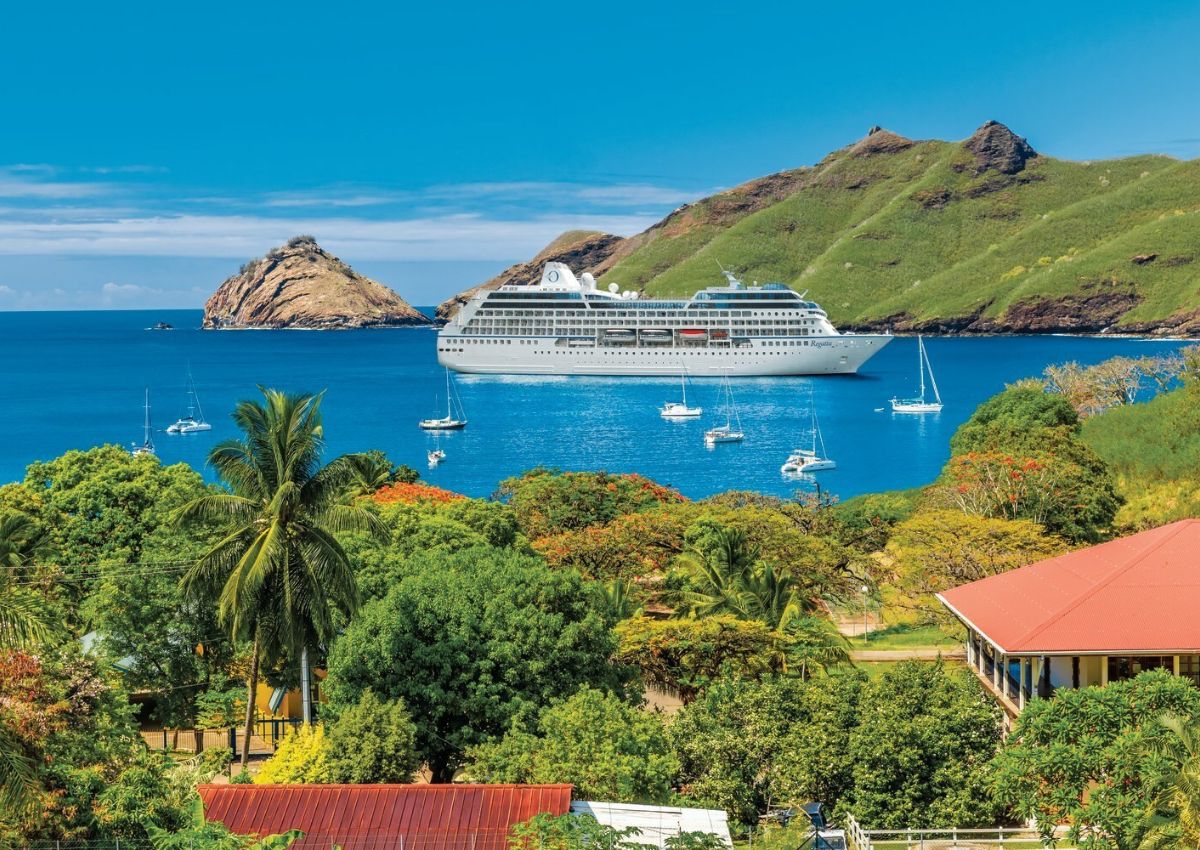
point(904, 636)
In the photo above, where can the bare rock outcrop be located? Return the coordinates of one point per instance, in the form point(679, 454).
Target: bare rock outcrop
point(301, 285)
point(998, 148)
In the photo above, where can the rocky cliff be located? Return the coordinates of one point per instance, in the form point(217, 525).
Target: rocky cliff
point(982, 235)
point(301, 285)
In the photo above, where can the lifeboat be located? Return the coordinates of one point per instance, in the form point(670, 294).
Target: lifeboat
point(720, 334)
point(693, 333)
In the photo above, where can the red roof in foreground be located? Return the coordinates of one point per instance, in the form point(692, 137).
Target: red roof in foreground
point(1137, 594)
point(374, 817)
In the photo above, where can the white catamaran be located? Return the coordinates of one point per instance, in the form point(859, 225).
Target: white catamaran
point(726, 433)
point(809, 460)
point(147, 446)
point(193, 421)
point(919, 404)
point(448, 422)
point(680, 409)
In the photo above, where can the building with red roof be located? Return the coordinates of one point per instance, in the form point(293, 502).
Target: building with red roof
point(1088, 617)
point(384, 817)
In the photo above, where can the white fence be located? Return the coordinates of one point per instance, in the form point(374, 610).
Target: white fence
point(1014, 837)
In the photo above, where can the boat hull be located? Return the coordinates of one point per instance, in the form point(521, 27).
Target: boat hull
point(833, 355)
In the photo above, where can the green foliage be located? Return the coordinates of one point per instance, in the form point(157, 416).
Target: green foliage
point(302, 757)
point(921, 750)
point(1020, 456)
point(606, 748)
point(549, 502)
point(1015, 420)
point(105, 506)
point(93, 776)
point(1091, 757)
point(571, 832)
point(1154, 449)
point(372, 741)
point(469, 641)
point(199, 833)
point(745, 746)
point(422, 528)
point(869, 518)
point(934, 551)
point(683, 657)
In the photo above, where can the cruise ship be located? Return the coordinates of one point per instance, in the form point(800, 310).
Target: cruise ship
point(565, 325)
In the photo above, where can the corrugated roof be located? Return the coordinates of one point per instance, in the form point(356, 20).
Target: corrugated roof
point(375, 817)
point(1135, 594)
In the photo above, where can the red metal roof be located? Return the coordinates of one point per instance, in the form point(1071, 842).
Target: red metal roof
point(1135, 594)
point(375, 817)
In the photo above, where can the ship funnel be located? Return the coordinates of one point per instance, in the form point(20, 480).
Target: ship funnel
point(559, 275)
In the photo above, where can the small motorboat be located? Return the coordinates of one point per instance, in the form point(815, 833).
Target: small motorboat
point(448, 422)
point(161, 326)
point(435, 457)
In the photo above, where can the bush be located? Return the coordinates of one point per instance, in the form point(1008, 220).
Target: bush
point(302, 758)
point(372, 741)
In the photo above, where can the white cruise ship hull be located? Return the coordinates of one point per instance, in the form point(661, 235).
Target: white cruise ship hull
point(842, 354)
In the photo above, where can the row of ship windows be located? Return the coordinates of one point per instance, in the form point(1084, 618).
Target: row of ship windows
point(772, 343)
point(631, 314)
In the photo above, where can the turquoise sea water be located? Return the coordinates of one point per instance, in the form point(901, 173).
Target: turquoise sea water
point(74, 380)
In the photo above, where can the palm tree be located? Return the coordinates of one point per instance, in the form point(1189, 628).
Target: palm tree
point(731, 580)
point(278, 575)
point(1173, 822)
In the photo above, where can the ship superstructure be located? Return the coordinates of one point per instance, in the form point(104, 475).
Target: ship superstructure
point(566, 325)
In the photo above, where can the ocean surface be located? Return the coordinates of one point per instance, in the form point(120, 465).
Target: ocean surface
point(74, 380)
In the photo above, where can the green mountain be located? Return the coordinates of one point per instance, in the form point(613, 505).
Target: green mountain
point(982, 235)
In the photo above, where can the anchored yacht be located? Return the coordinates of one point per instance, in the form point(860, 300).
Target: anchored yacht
point(565, 325)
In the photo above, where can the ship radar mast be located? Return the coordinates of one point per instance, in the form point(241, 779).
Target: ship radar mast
point(734, 283)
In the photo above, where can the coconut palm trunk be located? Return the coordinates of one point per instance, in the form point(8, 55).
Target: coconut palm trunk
point(251, 695)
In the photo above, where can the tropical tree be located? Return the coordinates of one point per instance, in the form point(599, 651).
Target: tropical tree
point(23, 623)
point(279, 576)
point(1174, 819)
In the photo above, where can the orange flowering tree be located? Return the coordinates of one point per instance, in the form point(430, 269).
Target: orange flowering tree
point(549, 502)
point(632, 546)
point(414, 493)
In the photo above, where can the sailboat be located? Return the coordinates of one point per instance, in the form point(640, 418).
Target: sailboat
point(809, 460)
point(147, 446)
point(190, 423)
point(726, 433)
point(680, 409)
point(919, 404)
point(447, 422)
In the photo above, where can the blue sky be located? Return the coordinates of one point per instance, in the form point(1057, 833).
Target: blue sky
point(147, 149)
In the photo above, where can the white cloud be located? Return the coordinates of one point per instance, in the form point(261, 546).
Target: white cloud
point(6, 290)
point(14, 183)
point(455, 237)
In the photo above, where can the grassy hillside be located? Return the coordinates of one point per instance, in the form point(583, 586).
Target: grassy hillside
point(1154, 448)
point(980, 235)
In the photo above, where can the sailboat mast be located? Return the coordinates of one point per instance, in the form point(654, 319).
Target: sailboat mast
point(146, 428)
point(921, 365)
point(936, 395)
point(449, 413)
